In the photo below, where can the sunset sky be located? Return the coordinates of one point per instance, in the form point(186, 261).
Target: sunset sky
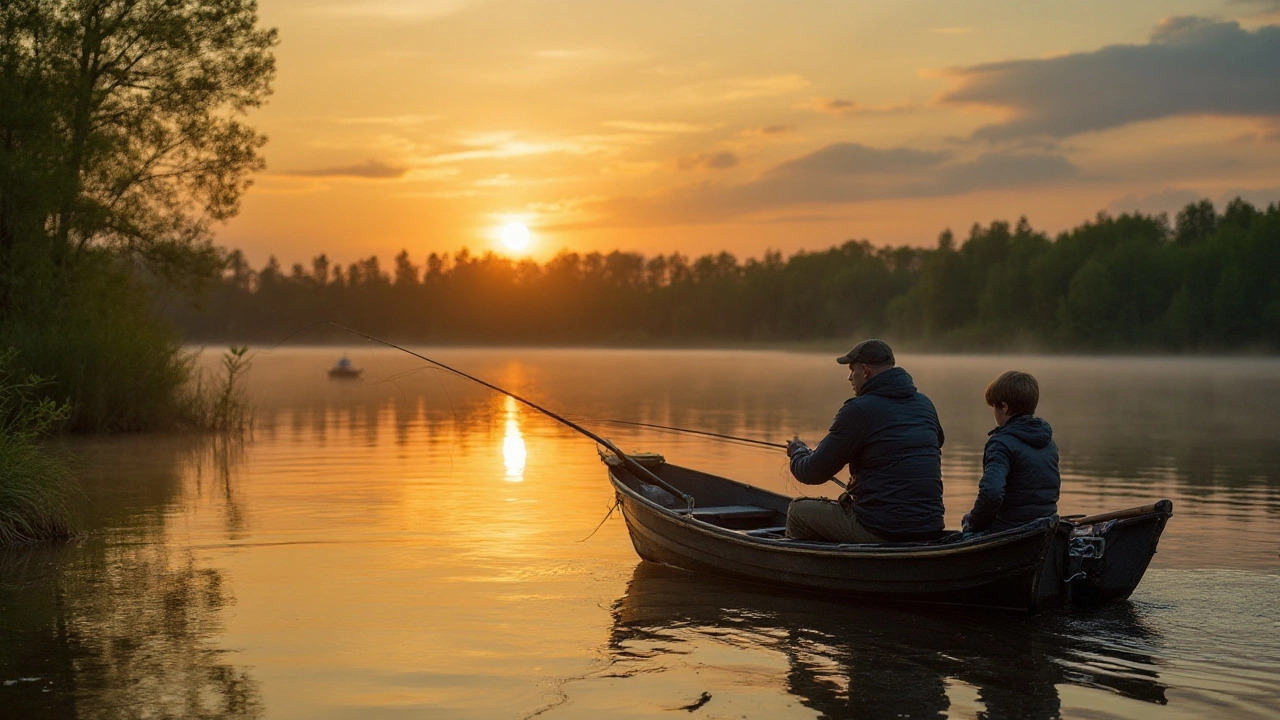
point(745, 125)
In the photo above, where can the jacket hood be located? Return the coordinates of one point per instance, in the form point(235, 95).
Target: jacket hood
point(892, 383)
point(1029, 429)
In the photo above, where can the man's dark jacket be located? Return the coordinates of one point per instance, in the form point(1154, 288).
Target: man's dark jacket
point(1020, 479)
point(891, 439)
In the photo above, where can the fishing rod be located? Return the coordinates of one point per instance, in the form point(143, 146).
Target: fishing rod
point(734, 438)
point(627, 461)
point(706, 433)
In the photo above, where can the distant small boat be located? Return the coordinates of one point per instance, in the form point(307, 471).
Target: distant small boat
point(344, 370)
point(736, 530)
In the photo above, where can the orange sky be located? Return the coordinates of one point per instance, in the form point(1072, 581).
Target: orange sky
point(712, 125)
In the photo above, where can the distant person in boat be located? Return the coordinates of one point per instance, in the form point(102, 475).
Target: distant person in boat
point(890, 437)
point(1020, 480)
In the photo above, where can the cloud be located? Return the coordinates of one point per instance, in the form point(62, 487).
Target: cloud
point(708, 161)
point(393, 120)
point(744, 88)
point(838, 174)
point(370, 169)
point(769, 131)
point(1191, 66)
point(847, 108)
point(853, 159)
point(658, 127)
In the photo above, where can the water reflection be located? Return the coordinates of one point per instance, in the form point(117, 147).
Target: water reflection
point(122, 624)
point(848, 660)
point(513, 450)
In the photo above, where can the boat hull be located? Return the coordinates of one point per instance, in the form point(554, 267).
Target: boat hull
point(1104, 557)
point(1003, 570)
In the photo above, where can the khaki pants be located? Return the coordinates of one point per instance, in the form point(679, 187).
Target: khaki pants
point(823, 519)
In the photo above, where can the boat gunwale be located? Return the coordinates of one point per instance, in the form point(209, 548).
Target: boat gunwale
point(835, 550)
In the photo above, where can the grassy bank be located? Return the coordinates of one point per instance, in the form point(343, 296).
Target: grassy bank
point(35, 485)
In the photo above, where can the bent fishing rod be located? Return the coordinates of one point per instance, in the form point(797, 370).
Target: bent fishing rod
point(630, 464)
point(635, 467)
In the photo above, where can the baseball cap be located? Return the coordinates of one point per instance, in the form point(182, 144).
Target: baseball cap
point(870, 352)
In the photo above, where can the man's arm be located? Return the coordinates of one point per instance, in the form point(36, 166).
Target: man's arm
point(995, 473)
point(815, 467)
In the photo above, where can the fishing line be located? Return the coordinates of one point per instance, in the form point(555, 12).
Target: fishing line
point(614, 506)
point(721, 436)
point(631, 465)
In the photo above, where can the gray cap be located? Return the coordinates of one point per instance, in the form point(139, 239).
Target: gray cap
point(869, 352)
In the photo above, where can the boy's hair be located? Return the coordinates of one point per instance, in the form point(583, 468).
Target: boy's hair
point(1017, 389)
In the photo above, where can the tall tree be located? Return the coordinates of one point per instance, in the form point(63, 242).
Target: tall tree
point(121, 130)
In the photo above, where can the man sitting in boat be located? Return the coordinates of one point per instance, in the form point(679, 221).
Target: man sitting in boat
point(890, 437)
point(1020, 480)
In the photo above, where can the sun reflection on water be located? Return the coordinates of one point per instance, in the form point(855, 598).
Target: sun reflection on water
point(513, 450)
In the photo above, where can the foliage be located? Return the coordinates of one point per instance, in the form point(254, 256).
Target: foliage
point(121, 143)
point(1130, 282)
point(107, 354)
point(219, 404)
point(34, 485)
point(119, 130)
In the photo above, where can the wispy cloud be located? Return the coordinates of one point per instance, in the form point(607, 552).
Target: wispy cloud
point(849, 108)
point(769, 131)
point(658, 127)
point(745, 88)
point(392, 120)
point(708, 161)
point(369, 170)
point(503, 144)
point(1191, 66)
point(839, 174)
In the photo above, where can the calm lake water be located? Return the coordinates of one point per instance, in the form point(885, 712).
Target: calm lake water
point(411, 545)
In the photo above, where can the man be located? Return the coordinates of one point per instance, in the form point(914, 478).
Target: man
point(889, 436)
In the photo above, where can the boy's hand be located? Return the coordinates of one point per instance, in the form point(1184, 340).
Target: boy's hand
point(794, 445)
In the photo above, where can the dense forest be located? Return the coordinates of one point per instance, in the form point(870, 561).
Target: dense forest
point(1207, 281)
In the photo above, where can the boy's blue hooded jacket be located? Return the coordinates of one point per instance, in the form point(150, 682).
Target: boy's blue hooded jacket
point(1020, 480)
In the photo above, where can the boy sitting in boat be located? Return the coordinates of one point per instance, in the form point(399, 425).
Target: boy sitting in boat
point(1020, 480)
point(890, 437)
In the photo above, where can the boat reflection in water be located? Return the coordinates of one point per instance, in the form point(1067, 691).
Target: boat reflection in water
point(864, 660)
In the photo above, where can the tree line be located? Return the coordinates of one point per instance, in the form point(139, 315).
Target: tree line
point(1206, 281)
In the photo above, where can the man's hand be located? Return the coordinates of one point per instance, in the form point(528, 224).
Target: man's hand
point(794, 445)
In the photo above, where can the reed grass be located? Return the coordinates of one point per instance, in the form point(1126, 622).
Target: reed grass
point(217, 402)
point(35, 484)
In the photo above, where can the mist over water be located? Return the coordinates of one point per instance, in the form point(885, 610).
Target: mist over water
point(410, 544)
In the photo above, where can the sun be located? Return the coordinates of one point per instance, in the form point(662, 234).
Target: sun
point(515, 236)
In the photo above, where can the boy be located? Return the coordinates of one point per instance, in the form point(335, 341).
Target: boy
point(1020, 479)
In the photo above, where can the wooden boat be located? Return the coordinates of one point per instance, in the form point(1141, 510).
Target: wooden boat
point(696, 521)
point(344, 370)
